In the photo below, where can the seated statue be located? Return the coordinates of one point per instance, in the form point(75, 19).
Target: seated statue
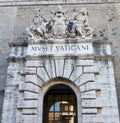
point(83, 28)
point(36, 31)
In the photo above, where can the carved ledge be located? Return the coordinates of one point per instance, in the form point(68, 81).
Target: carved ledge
point(15, 59)
point(101, 57)
point(20, 43)
point(69, 40)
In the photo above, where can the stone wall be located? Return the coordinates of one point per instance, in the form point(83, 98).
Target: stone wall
point(1, 102)
point(16, 16)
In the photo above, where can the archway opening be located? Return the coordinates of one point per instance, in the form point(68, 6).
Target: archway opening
point(60, 105)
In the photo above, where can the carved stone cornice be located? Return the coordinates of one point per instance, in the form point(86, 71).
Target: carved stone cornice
point(20, 43)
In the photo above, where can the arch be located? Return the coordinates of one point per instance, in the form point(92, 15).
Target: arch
point(59, 81)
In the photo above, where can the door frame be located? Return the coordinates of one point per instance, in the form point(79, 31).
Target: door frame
point(59, 80)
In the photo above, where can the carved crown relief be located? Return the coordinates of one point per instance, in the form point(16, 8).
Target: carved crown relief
point(60, 26)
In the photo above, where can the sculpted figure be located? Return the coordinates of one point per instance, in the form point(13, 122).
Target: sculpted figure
point(37, 31)
point(88, 31)
point(59, 26)
point(80, 20)
point(82, 26)
point(71, 29)
point(59, 22)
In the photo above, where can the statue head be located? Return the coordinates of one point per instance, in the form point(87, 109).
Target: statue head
point(83, 11)
point(37, 12)
point(59, 11)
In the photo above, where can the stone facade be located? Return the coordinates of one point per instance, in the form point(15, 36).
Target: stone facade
point(1, 102)
point(20, 15)
point(88, 71)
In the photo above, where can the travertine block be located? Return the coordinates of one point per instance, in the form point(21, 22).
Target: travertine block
point(43, 74)
point(68, 68)
point(34, 79)
point(30, 95)
point(29, 119)
point(50, 67)
point(29, 111)
point(34, 63)
point(91, 103)
point(29, 87)
point(59, 67)
point(88, 86)
point(91, 69)
point(76, 73)
point(84, 62)
point(84, 78)
point(27, 104)
point(30, 70)
point(93, 119)
point(89, 95)
point(89, 111)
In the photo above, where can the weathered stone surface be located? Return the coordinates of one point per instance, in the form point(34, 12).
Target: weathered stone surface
point(29, 87)
point(93, 118)
point(104, 83)
point(29, 118)
point(89, 94)
point(30, 70)
point(30, 95)
point(89, 111)
point(91, 103)
point(27, 104)
point(59, 67)
point(92, 69)
point(34, 63)
point(49, 65)
point(84, 62)
point(1, 102)
point(84, 78)
point(69, 66)
point(33, 79)
point(76, 73)
point(43, 74)
point(88, 87)
point(10, 110)
point(29, 111)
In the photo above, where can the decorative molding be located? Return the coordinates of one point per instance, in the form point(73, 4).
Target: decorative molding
point(75, 2)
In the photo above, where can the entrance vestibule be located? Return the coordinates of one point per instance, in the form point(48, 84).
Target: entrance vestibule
point(60, 105)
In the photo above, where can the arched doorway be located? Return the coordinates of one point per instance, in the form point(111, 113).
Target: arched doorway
point(60, 105)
